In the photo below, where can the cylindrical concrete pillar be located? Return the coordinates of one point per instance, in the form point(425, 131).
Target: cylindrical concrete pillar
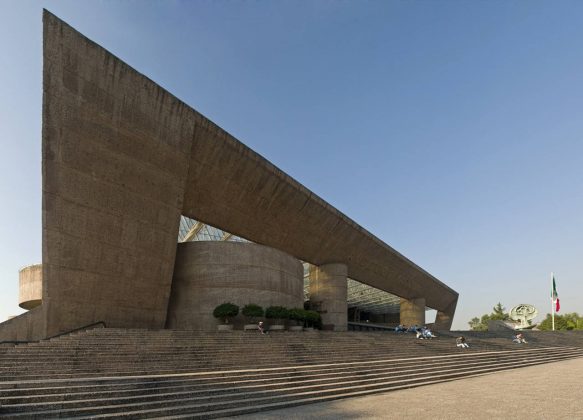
point(412, 311)
point(30, 283)
point(328, 289)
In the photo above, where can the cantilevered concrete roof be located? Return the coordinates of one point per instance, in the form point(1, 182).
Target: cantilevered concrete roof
point(234, 188)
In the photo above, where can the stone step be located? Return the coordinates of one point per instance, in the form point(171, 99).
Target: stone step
point(204, 405)
point(124, 367)
point(154, 356)
point(140, 374)
point(96, 349)
point(347, 365)
point(259, 379)
point(10, 365)
point(104, 352)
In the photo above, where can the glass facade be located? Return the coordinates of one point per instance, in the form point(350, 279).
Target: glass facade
point(192, 230)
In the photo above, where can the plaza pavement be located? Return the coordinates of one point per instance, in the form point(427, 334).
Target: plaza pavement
point(550, 391)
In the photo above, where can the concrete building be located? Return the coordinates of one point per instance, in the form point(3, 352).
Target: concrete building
point(124, 160)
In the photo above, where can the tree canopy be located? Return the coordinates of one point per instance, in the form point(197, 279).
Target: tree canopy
point(569, 321)
point(498, 314)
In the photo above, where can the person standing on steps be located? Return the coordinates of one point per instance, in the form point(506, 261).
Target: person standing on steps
point(261, 327)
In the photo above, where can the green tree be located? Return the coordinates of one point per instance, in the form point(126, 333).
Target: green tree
point(481, 324)
point(568, 321)
point(297, 314)
point(278, 313)
point(474, 323)
point(225, 311)
point(252, 311)
point(499, 313)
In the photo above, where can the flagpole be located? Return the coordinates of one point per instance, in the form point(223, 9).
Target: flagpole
point(552, 302)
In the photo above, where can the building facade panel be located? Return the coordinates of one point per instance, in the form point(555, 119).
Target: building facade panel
point(91, 190)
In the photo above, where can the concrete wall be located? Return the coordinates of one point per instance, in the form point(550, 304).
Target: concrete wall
point(207, 274)
point(116, 150)
point(24, 327)
point(30, 286)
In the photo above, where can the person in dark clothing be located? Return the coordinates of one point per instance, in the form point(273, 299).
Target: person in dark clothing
point(461, 342)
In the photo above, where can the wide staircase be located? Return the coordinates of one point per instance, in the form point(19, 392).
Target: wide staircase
point(184, 374)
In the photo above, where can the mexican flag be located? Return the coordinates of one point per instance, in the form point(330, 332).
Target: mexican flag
point(555, 295)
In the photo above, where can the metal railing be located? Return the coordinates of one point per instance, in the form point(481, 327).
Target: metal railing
point(365, 326)
point(85, 327)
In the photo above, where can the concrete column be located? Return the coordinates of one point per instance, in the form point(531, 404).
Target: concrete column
point(328, 288)
point(30, 282)
point(412, 311)
point(444, 318)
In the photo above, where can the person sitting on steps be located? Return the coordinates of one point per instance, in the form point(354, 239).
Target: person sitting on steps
point(261, 327)
point(424, 333)
point(413, 328)
point(461, 342)
point(519, 339)
point(400, 328)
point(427, 333)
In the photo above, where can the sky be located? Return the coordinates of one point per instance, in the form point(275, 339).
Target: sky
point(452, 130)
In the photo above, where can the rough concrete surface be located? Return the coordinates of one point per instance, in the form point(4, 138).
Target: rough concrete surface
point(328, 290)
point(208, 273)
point(30, 284)
point(550, 391)
point(412, 311)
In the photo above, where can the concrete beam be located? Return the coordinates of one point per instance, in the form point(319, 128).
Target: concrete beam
point(30, 286)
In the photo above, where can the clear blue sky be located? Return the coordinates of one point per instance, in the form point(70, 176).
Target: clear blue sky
point(453, 130)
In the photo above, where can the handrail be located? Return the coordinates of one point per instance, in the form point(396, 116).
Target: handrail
point(80, 328)
point(365, 326)
point(57, 335)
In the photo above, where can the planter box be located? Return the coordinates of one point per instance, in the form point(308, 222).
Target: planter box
point(250, 327)
point(225, 327)
point(309, 329)
point(277, 327)
point(296, 328)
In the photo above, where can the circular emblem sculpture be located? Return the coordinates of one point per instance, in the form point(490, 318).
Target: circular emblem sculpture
point(523, 313)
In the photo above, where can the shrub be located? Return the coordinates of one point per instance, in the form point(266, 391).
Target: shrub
point(276, 312)
point(313, 319)
point(297, 315)
point(252, 311)
point(225, 311)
